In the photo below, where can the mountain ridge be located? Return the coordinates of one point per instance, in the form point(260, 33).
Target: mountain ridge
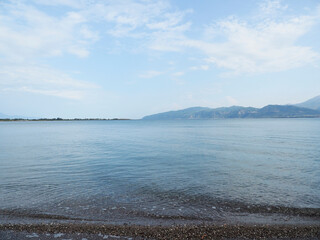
point(313, 103)
point(269, 111)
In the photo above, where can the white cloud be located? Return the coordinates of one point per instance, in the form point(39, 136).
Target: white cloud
point(27, 32)
point(139, 18)
point(267, 44)
point(270, 7)
point(241, 46)
point(128, 16)
point(150, 74)
point(264, 46)
point(42, 80)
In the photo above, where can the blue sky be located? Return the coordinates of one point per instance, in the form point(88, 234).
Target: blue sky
point(130, 58)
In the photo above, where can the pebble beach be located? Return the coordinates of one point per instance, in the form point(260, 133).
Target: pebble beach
point(95, 232)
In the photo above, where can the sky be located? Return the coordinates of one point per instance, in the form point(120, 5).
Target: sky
point(131, 58)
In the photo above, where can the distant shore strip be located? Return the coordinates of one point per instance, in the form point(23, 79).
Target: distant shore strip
point(61, 119)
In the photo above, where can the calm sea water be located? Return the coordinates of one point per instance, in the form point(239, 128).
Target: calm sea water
point(145, 172)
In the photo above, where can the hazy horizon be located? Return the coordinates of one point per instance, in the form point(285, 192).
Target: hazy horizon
point(132, 58)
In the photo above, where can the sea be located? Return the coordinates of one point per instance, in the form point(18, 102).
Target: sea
point(139, 172)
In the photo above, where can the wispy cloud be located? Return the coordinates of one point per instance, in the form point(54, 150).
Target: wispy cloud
point(27, 32)
point(141, 19)
point(270, 7)
point(68, 94)
point(237, 45)
point(150, 74)
point(42, 80)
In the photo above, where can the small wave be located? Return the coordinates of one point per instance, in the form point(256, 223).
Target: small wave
point(219, 211)
point(36, 215)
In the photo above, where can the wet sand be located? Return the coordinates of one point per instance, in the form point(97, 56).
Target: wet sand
point(92, 231)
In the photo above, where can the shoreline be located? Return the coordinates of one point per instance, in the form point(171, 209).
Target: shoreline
point(61, 119)
point(171, 232)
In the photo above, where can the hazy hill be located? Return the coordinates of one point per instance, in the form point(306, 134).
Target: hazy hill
point(180, 114)
point(285, 111)
point(202, 113)
point(313, 103)
point(270, 111)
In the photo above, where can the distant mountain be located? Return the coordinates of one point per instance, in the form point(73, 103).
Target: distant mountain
point(313, 103)
point(180, 114)
point(286, 111)
point(270, 111)
point(203, 113)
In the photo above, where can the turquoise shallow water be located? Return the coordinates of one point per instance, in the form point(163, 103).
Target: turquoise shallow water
point(239, 170)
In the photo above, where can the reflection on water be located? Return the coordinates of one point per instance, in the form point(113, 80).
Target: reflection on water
point(195, 170)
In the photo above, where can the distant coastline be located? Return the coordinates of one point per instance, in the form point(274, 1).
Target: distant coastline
point(62, 119)
point(307, 109)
